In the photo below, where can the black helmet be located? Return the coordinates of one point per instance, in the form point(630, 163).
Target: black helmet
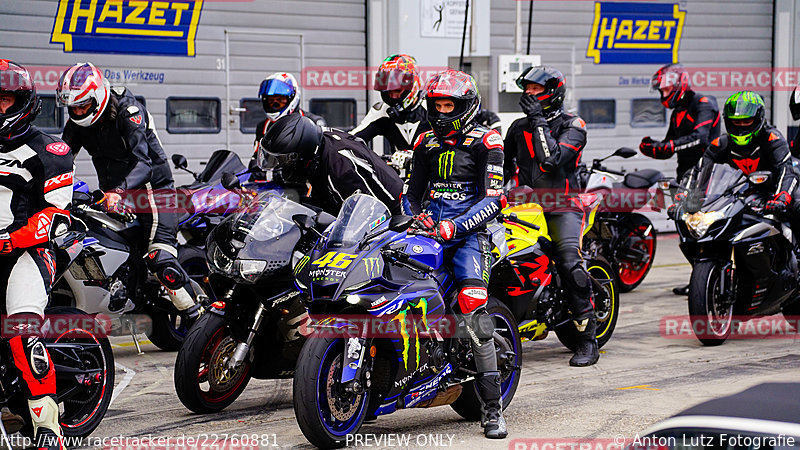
point(554, 82)
point(794, 104)
point(290, 139)
point(15, 80)
point(461, 89)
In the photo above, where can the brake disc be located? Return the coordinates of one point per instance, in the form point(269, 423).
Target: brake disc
point(220, 378)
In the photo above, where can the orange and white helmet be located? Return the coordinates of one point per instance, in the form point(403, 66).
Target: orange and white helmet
point(81, 84)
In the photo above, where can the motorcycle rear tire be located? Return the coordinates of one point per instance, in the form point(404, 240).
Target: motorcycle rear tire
point(468, 404)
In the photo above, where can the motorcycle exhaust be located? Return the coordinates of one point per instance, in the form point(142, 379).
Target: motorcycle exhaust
point(442, 398)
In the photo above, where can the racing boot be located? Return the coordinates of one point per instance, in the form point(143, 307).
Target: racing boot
point(587, 352)
point(46, 430)
point(683, 290)
point(192, 313)
point(494, 425)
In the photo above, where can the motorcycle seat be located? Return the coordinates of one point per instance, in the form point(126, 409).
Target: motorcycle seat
point(642, 179)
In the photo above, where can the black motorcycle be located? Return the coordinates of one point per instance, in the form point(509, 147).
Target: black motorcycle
point(622, 236)
point(743, 259)
point(253, 330)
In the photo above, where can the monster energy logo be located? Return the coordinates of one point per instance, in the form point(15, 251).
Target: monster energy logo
point(303, 261)
point(371, 265)
point(446, 163)
point(402, 317)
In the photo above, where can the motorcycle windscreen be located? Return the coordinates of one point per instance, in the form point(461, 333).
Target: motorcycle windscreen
point(360, 215)
point(263, 230)
point(722, 181)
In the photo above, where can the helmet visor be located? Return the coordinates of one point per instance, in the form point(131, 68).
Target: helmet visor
point(267, 160)
point(390, 80)
point(14, 78)
point(533, 75)
point(741, 110)
point(275, 87)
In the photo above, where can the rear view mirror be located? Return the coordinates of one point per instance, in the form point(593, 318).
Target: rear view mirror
point(400, 223)
point(625, 152)
point(230, 182)
point(179, 161)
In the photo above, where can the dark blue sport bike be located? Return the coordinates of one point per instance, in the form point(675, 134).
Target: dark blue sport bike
point(383, 333)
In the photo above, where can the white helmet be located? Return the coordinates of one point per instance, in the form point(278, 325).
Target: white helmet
point(279, 84)
point(81, 84)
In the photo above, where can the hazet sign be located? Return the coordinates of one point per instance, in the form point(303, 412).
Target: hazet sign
point(127, 26)
point(635, 33)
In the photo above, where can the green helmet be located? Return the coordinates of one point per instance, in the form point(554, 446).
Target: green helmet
point(744, 105)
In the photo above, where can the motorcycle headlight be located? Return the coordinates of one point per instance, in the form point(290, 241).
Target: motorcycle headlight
point(699, 222)
point(218, 260)
point(250, 269)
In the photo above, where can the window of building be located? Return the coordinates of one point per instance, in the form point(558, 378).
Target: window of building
point(51, 118)
point(193, 115)
point(648, 112)
point(598, 113)
point(337, 112)
point(253, 114)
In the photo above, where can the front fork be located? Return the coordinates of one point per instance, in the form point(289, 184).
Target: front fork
point(355, 350)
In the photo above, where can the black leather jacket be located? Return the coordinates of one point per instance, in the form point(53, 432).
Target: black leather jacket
point(125, 149)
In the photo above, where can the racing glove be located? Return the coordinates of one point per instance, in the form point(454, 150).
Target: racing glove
point(655, 149)
point(672, 211)
point(531, 106)
point(423, 221)
point(446, 229)
point(779, 203)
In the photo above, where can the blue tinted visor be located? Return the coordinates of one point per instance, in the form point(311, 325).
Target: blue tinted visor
point(275, 87)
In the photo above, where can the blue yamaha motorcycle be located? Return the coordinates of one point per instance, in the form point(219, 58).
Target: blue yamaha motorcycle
point(384, 336)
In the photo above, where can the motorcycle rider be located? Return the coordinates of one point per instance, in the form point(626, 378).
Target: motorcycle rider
point(401, 116)
point(36, 183)
point(280, 96)
point(458, 166)
point(751, 144)
point(120, 135)
point(546, 145)
point(693, 124)
point(335, 163)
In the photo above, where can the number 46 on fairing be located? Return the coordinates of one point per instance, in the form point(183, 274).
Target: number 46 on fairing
point(336, 260)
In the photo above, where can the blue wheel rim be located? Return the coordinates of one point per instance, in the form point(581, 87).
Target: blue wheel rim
point(331, 424)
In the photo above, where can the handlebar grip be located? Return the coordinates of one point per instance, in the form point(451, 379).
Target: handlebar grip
point(513, 218)
point(405, 258)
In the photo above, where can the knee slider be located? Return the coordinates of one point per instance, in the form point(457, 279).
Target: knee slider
point(471, 298)
point(579, 279)
point(166, 268)
point(32, 360)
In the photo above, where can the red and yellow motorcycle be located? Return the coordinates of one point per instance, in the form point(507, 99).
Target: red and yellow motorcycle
point(526, 279)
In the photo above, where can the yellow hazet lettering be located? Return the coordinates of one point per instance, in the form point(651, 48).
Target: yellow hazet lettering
point(179, 9)
point(138, 7)
point(325, 260)
point(157, 10)
point(108, 13)
point(641, 25)
point(88, 14)
point(342, 260)
point(652, 33)
point(668, 26)
point(606, 32)
point(625, 29)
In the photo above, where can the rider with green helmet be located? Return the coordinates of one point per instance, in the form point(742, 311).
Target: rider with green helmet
point(752, 144)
